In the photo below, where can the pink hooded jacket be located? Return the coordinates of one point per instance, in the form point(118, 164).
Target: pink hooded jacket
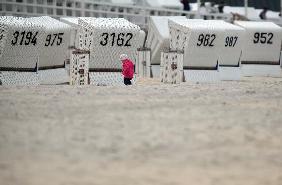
point(127, 68)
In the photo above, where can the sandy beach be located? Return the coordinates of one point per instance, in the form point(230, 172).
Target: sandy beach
point(226, 133)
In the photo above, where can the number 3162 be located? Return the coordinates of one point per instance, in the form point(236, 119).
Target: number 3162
point(121, 39)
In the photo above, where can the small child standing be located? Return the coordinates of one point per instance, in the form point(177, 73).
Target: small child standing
point(127, 69)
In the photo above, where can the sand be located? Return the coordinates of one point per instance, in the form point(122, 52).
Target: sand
point(226, 133)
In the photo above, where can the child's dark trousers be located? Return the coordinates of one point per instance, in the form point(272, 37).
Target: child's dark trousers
point(127, 81)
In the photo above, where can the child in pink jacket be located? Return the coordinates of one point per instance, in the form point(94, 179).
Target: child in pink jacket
point(127, 69)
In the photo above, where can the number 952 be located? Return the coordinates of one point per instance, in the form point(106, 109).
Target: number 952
point(263, 38)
